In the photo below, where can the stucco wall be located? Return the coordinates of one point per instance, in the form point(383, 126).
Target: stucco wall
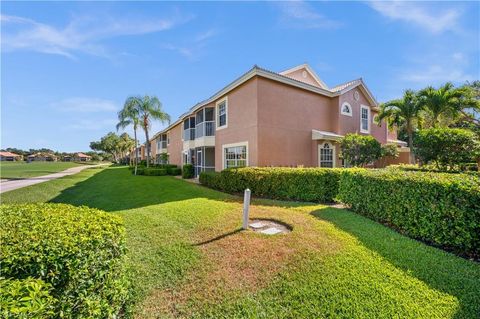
point(351, 124)
point(174, 149)
point(241, 122)
point(286, 117)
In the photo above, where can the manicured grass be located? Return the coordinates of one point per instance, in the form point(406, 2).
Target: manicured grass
point(189, 259)
point(22, 169)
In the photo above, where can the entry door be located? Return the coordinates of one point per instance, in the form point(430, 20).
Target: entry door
point(199, 161)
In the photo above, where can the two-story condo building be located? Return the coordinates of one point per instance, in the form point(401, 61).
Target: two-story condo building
point(265, 118)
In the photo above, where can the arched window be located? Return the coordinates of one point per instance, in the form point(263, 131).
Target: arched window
point(346, 109)
point(327, 155)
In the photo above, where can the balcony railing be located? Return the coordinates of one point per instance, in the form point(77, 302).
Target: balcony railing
point(189, 134)
point(162, 144)
point(206, 128)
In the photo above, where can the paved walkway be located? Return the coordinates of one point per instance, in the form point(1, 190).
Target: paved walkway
point(10, 185)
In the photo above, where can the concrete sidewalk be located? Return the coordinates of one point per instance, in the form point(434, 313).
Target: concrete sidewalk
point(10, 185)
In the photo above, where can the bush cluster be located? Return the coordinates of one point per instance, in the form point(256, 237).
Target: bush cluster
point(62, 260)
point(188, 171)
point(447, 148)
point(157, 170)
point(440, 208)
point(303, 184)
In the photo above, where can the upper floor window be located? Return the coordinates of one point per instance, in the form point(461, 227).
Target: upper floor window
point(364, 119)
point(222, 109)
point(346, 109)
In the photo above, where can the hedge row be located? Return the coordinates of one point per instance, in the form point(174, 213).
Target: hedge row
point(188, 171)
point(69, 260)
point(157, 170)
point(303, 184)
point(440, 208)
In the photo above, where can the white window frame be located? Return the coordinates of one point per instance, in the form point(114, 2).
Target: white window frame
point(365, 107)
point(349, 107)
point(168, 138)
point(217, 115)
point(224, 146)
point(332, 147)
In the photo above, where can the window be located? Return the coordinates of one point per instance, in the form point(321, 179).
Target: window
point(327, 156)
point(346, 109)
point(222, 113)
point(364, 119)
point(235, 156)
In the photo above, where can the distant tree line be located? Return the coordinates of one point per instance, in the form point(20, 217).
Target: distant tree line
point(96, 156)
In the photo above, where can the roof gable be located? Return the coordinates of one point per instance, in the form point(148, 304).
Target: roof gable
point(304, 73)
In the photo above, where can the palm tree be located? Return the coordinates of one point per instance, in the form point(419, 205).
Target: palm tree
point(445, 103)
point(404, 112)
point(150, 108)
point(129, 115)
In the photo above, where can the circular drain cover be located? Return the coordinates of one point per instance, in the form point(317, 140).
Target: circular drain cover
point(269, 227)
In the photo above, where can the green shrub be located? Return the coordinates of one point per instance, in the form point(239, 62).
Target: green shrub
point(175, 171)
point(154, 172)
point(448, 148)
point(26, 298)
point(360, 150)
point(79, 251)
point(303, 184)
point(440, 208)
point(140, 170)
point(188, 171)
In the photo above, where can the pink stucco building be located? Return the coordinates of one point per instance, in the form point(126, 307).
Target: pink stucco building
point(264, 118)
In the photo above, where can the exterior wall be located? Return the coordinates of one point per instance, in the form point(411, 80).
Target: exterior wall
point(174, 149)
point(286, 117)
point(153, 149)
point(241, 122)
point(403, 158)
point(351, 124)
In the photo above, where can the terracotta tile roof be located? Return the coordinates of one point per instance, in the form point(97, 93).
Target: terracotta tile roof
point(345, 85)
point(82, 155)
point(8, 154)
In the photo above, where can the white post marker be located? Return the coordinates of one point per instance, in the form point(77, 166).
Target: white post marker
point(246, 207)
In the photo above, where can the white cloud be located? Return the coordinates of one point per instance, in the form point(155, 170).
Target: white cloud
point(81, 34)
point(422, 15)
point(300, 14)
point(436, 74)
point(85, 105)
point(193, 48)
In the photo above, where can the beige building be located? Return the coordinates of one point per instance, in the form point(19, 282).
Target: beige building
point(264, 118)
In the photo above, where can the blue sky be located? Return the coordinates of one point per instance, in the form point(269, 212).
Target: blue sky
point(66, 68)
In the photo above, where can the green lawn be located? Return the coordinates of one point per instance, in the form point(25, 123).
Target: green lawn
point(22, 169)
point(189, 258)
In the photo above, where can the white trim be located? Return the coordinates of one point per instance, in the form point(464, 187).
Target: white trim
point(256, 71)
point(217, 127)
point(349, 107)
point(323, 135)
point(309, 70)
point(224, 146)
point(366, 107)
point(334, 158)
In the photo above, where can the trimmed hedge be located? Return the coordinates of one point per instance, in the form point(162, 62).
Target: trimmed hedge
point(158, 170)
point(440, 208)
point(303, 184)
point(26, 298)
point(79, 251)
point(188, 171)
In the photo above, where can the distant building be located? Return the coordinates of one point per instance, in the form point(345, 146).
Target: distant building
point(42, 157)
point(81, 157)
point(10, 157)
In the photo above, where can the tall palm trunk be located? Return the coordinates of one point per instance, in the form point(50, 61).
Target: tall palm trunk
point(135, 148)
point(410, 142)
point(147, 146)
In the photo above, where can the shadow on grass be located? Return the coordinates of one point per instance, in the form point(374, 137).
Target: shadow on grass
point(115, 189)
point(218, 237)
point(438, 269)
